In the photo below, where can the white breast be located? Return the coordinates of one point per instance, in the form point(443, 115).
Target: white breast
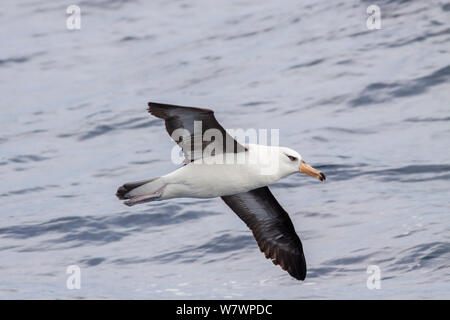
point(216, 176)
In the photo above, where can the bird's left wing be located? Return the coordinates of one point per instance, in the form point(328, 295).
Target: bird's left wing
point(272, 229)
point(193, 123)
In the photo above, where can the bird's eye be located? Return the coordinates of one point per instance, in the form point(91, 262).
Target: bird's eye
point(292, 158)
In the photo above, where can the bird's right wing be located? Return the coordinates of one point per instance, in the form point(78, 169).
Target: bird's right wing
point(193, 141)
point(272, 229)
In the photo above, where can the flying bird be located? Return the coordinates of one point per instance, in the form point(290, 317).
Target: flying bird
point(238, 173)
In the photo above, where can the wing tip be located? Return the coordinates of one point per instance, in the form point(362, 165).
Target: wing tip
point(299, 272)
point(149, 106)
point(292, 263)
point(155, 108)
point(296, 269)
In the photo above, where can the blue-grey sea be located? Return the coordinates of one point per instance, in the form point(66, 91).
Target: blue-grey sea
point(370, 108)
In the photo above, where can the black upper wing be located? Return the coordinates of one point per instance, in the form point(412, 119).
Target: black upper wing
point(178, 117)
point(272, 229)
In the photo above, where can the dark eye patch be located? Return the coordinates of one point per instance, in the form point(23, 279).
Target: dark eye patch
point(292, 158)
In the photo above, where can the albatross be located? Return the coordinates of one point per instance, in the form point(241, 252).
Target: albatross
point(238, 173)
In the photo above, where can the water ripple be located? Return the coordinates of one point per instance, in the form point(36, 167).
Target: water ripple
point(224, 243)
point(380, 92)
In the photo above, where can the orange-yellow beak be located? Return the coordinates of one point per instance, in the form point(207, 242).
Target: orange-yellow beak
point(310, 171)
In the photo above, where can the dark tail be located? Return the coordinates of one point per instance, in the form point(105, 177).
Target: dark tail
point(127, 187)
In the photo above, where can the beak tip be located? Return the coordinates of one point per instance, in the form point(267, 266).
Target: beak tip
point(322, 177)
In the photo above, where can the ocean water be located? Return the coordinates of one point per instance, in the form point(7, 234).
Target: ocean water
point(370, 108)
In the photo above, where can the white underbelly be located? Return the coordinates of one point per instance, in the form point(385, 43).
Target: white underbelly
point(215, 180)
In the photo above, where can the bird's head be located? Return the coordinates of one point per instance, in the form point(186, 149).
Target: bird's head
point(292, 162)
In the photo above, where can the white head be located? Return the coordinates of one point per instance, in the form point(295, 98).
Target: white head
point(290, 161)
